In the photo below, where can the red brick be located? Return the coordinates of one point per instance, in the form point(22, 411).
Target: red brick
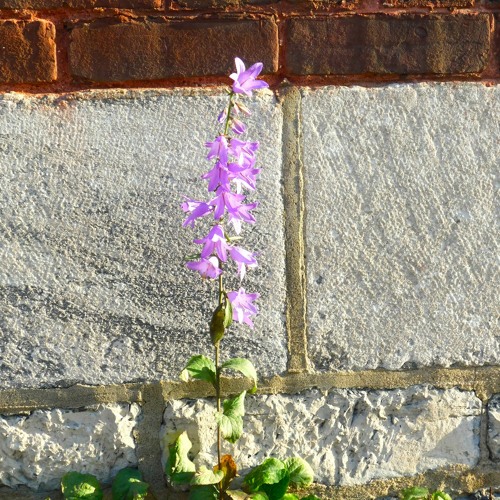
point(27, 52)
point(382, 44)
point(219, 4)
point(80, 4)
point(429, 3)
point(154, 48)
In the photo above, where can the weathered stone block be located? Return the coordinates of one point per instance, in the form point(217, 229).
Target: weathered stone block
point(93, 287)
point(38, 449)
point(494, 427)
point(400, 206)
point(348, 436)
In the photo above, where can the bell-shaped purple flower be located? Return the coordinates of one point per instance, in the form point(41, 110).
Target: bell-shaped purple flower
point(218, 149)
point(208, 268)
point(242, 305)
point(216, 242)
point(243, 258)
point(195, 209)
point(216, 177)
point(245, 79)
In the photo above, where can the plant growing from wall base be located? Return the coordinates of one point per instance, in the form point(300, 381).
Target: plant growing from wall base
point(234, 173)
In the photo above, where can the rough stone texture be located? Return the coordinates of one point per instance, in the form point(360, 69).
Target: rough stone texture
point(79, 4)
point(348, 437)
point(27, 51)
point(150, 49)
point(38, 449)
point(494, 427)
point(93, 286)
point(406, 44)
point(400, 225)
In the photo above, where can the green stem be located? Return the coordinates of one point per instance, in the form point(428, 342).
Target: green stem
point(228, 117)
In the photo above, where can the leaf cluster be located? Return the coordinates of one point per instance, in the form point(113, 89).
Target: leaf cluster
point(127, 485)
point(420, 493)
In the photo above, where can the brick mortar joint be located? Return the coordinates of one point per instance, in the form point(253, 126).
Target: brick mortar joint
point(485, 384)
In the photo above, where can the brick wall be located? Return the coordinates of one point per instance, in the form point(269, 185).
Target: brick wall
point(49, 45)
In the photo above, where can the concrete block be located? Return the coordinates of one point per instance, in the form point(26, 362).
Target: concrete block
point(36, 450)
point(348, 436)
point(93, 287)
point(401, 224)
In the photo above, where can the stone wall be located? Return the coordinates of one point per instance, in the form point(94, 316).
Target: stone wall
point(377, 345)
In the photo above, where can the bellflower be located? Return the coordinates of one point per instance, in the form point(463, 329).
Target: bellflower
point(216, 242)
point(208, 268)
point(195, 209)
point(218, 149)
point(243, 308)
point(243, 258)
point(245, 80)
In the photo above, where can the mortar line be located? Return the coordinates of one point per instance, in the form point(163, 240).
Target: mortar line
point(484, 381)
point(294, 207)
point(147, 439)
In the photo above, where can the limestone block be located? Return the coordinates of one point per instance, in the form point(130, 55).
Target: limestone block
point(401, 224)
point(494, 427)
point(348, 436)
point(93, 286)
point(38, 449)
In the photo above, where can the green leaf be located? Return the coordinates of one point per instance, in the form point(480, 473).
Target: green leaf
point(228, 313)
point(260, 495)
point(201, 368)
point(230, 421)
point(300, 471)
point(277, 490)
point(75, 486)
point(231, 427)
point(179, 467)
point(245, 367)
point(206, 476)
point(217, 324)
point(290, 496)
point(235, 407)
point(128, 485)
point(209, 492)
point(415, 493)
point(271, 471)
point(440, 495)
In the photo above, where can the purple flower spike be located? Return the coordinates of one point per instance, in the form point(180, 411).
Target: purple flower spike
point(245, 80)
point(242, 306)
point(214, 241)
point(208, 268)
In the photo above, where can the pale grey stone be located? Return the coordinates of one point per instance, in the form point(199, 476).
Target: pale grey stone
point(38, 449)
point(347, 436)
point(494, 427)
point(93, 286)
point(401, 228)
